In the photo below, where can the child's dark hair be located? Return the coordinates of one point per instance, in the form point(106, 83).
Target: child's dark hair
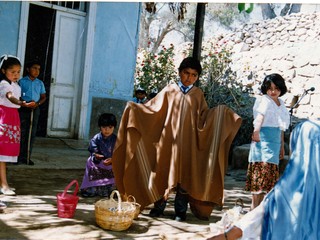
point(33, 62)
point(8, 62)
point(140, 90)
point(277, 79)
point(190, 62)
point(107, 119)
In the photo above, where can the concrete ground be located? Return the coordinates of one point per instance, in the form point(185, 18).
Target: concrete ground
point(32, 213)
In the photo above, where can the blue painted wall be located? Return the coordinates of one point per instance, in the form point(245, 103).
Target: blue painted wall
point(9, 27)
point(115, 49)
point(114, 60)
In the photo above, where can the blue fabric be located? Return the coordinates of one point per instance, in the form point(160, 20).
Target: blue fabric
point(183, 88)
point(292, 208)
point(268, 149)
point(31, 89)
point(96, 173)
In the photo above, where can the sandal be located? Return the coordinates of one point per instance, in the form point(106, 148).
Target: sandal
point(7, 192)
point(2, 205)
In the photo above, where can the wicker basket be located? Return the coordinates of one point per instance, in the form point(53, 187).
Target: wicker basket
point(137, 205)
point(114, 215)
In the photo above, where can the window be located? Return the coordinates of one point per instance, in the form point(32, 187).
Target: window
point(80, 6)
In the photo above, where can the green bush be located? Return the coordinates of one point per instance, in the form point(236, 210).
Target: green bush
point(154, 71)
point(220, 85)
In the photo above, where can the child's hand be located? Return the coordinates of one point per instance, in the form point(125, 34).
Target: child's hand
point(217, 237)
point(98, 156)
point(256, 136)
point(29, 104)
point(23, 104)
point(107, 161)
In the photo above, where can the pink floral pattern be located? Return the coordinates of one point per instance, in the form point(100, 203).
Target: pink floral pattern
point(10, 133)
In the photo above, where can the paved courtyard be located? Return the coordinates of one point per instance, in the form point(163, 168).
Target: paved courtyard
point(32, 213)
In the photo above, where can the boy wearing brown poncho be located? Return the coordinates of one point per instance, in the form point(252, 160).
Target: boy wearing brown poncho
point(175, 141)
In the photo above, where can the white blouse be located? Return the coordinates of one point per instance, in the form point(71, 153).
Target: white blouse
point(251, 223)
point(274, 115)
point(6, 87)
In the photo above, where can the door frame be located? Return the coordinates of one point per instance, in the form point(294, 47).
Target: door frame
point(81, 129)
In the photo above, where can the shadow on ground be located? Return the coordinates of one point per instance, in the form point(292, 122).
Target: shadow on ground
point(32, 214)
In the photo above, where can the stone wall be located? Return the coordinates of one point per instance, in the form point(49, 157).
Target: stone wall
point(287, 45)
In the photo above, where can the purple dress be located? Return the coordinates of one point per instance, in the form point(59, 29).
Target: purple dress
point(96, 173)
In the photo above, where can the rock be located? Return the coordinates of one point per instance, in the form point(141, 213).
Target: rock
point(288, 45)
point(241, 47)
point(240, 156)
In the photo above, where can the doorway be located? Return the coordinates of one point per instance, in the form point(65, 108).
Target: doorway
point(55, 36)
point(39, 45)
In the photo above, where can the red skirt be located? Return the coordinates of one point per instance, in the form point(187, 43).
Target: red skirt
point(9, 131)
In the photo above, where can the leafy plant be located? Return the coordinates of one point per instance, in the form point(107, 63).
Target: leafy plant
point(155, 71)
point(248, 8)
point(221, 86)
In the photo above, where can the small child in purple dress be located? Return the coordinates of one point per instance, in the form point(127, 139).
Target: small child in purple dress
point(98, 179)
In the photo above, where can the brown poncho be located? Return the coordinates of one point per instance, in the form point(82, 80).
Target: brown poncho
point(174, 138)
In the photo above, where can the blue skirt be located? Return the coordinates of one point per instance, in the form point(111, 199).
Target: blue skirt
point(268, 149)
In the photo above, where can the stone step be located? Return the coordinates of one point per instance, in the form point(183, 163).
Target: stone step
point(240, 156)
point(60, 142)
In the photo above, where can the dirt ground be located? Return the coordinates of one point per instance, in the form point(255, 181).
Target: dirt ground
point(32, 213)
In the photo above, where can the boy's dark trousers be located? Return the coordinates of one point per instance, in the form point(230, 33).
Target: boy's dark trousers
point(180, 204)
point(25, 120)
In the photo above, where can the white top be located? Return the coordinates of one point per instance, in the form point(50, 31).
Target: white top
point(6, 87)
point(251, 223)
point(274, 115)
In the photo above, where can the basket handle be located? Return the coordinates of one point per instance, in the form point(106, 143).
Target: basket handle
point(130, 197)
point(119, 198)
point(70, 184)
point(239, 202)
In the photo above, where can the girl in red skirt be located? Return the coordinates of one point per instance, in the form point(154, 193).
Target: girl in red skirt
point(10, 93)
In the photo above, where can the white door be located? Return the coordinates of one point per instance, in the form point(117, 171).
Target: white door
point(66, 75)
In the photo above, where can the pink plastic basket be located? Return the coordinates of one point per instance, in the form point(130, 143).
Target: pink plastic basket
point(67, 203)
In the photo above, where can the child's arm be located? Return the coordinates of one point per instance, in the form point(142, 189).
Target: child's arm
point(232, 234)
point(98, 156)
point(257, 126)
point(93, 148)
point(16, 101)
point(41, 101)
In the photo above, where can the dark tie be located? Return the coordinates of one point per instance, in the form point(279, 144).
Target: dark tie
point(184, 88)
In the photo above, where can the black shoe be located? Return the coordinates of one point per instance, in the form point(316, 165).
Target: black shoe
point(89, 192)
point(181, 217)
point(19, 163)
point(31, 163)
point(155, 212)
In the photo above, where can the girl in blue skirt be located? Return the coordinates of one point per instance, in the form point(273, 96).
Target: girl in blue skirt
point(271, 119)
